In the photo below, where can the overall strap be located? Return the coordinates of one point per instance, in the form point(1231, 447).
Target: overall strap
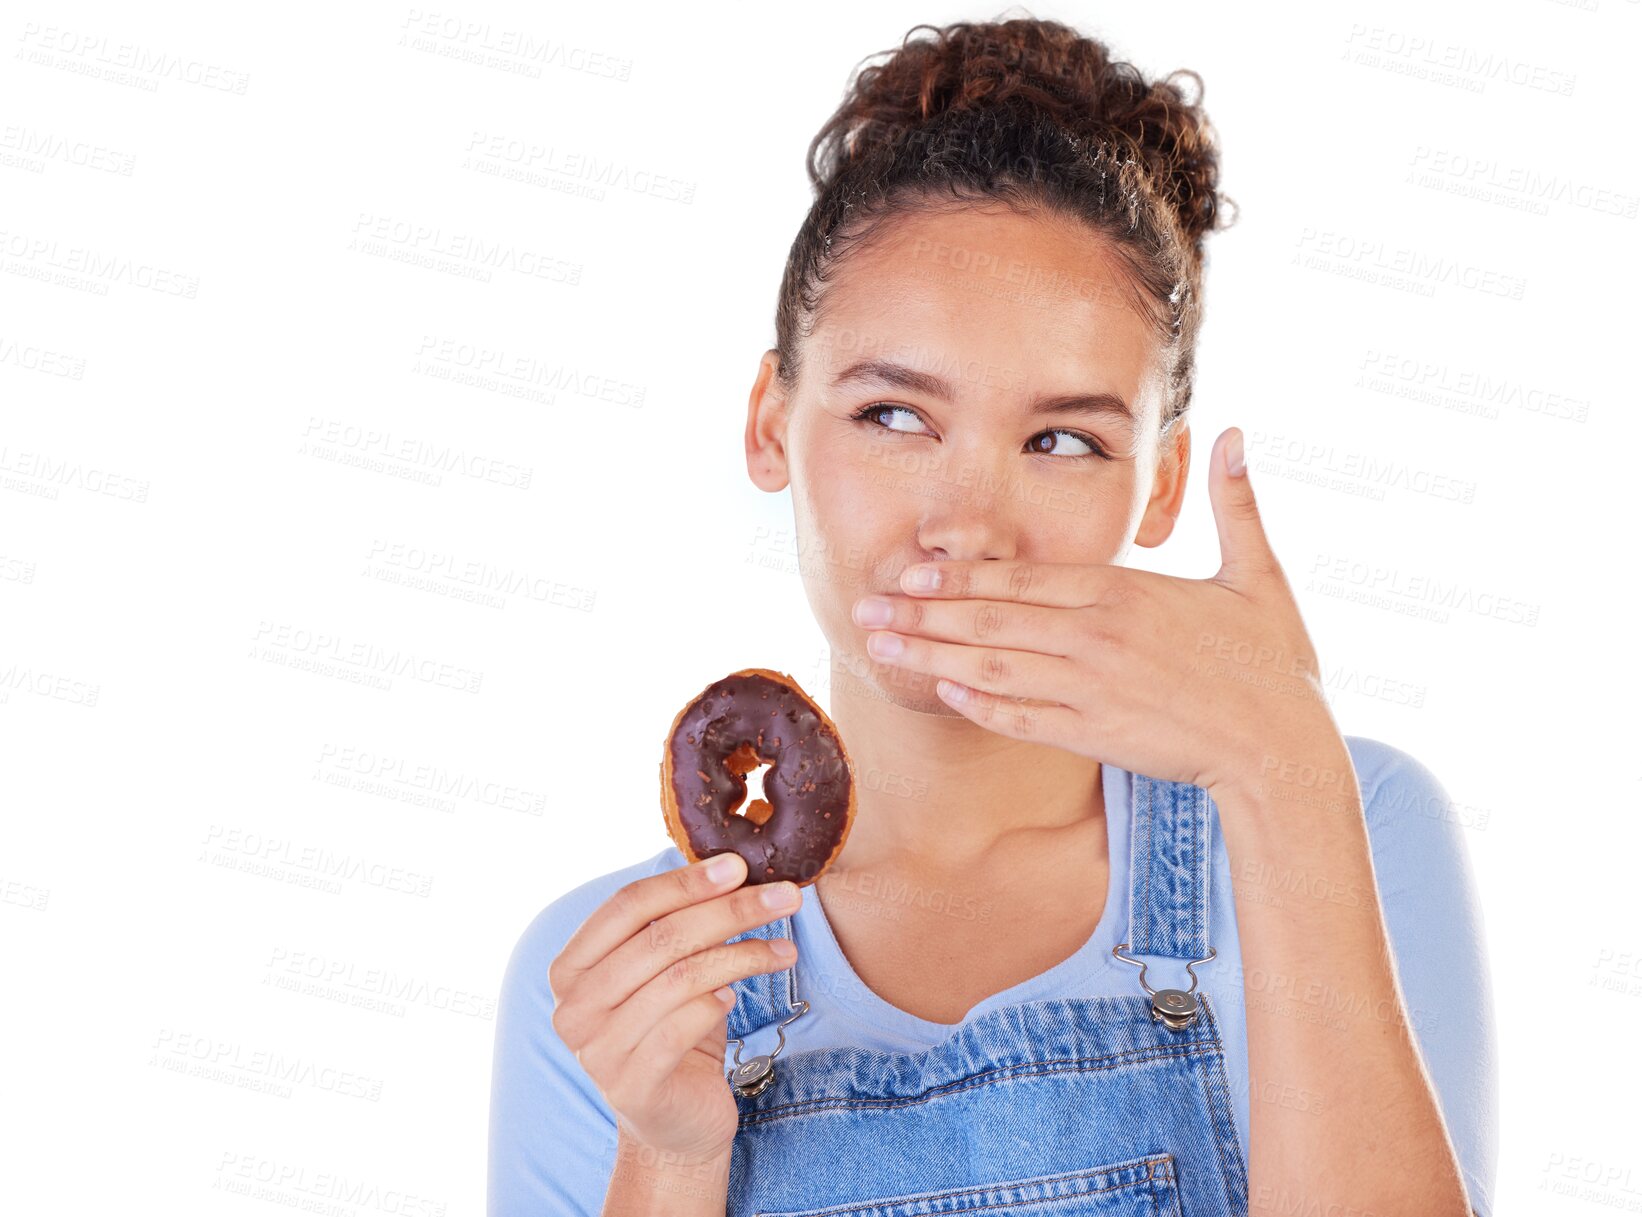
point(764, 998)
point(1169, 869)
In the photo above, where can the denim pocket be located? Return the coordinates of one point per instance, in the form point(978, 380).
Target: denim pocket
point(1143, 1187)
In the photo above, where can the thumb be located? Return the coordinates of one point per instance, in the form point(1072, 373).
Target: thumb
point(1245, 553)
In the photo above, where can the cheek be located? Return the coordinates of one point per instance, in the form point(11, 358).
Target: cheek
point(844, 521)
point(841, 477)
point(1091, 535)
point(1114, 496)
point(891, 478)
point(1075, 502)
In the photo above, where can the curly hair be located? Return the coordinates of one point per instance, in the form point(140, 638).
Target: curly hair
point(1035, 115)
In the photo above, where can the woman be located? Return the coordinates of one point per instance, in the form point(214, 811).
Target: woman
point(982, 370)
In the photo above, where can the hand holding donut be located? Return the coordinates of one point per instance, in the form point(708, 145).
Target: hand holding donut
point(1187, 680)
point(637, 998)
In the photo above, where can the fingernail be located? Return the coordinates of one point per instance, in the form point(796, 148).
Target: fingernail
point(722, 868)
point(725, 994)
point(924, 578)
point(778, 895)
point(874, 610)
point(885, 646)
point(784, 949)
point(1234, 454)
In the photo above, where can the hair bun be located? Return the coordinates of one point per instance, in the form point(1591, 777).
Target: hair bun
point(1049, 71)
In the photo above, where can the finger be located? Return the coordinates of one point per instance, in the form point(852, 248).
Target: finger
point(1056, 725)
point(625, 1027)
point(680, 935)
point(1057, 584)
point(653, 1060)
point(998, 670)
point(1018, 627)
point(1246, 554)
point(587, 1004)
point(637, 904)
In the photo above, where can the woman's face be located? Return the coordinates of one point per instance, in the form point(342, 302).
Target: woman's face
point(979, 386)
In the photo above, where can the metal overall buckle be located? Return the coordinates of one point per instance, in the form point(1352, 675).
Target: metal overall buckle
point(749, 1078)
point(1175, 1008)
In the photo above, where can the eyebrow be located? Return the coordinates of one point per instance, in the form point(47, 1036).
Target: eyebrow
point(885, 371)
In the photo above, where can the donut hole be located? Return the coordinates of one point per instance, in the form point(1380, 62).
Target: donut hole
point(749, 766)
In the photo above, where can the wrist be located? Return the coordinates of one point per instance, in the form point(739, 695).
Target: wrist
point(1313, 773)
point(634, 1152)
point(651, 1182)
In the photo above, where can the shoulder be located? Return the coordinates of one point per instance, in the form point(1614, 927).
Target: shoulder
point(552, 1136)
point(1422, 860)
point(545, 935)
point(1386, 771)
point(1415, 828)
point(1419, 838)
point(1378, 763)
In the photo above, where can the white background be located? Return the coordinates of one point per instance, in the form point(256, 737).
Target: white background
point(225, 317)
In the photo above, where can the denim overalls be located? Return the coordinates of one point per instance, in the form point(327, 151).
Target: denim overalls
point(1064, 1107)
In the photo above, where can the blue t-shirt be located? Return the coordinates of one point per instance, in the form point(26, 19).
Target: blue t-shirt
point(553, 1137)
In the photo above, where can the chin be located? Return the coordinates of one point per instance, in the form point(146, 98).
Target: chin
point(904, 688)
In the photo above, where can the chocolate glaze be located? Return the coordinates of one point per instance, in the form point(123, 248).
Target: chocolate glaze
point(734, 726)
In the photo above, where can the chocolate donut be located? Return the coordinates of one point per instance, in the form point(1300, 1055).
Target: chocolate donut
point(750, 718)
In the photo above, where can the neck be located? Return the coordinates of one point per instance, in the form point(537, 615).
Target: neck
point(937, 791)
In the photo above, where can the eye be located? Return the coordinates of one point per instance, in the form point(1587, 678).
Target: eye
point(1088, 441)
point(867, 414)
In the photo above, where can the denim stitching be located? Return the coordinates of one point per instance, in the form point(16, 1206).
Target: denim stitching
point(987, 1077)
point(1153, 1174)
point(1200, 817)
point(1142, 927)
point(1234, 1170)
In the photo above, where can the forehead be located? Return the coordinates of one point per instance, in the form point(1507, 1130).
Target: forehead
point(988, 297)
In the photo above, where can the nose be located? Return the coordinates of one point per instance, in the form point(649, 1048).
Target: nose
point(968, 528)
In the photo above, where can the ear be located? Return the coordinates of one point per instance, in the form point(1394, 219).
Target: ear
point(1174, 461)
point(767, 427)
